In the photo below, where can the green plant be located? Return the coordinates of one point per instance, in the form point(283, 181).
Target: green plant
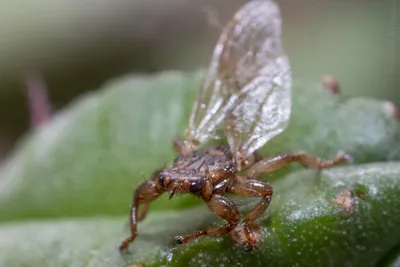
point(66, 189)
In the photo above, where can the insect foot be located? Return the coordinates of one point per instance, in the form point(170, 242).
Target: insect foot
point(251, 244)
point(250, 248)
point(240, 239)
point(123, 248)
point(343, 157)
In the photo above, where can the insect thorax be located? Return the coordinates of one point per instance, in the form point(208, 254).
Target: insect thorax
point(209, 160)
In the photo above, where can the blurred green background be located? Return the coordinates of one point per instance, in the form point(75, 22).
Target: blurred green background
point(75, 46)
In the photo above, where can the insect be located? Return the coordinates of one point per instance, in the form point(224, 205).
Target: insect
point(245, 97)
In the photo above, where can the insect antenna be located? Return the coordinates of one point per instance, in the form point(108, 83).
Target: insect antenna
point(142, 177)
point(165, 165)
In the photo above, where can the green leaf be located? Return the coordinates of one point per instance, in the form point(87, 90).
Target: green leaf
point(88, 160)
point(304, 227)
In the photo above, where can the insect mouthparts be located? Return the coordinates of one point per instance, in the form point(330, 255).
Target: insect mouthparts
point(172, 193)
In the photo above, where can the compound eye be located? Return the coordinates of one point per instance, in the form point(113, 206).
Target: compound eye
point(196, 186)
point(163, 179)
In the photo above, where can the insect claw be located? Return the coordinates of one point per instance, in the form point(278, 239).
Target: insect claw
point(248, 247)
point(123, 251)
point(252, 248)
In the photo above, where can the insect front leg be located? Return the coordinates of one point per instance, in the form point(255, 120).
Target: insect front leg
point(144, 195)
point(270, 165)
point(222, 207)
point(252, 188)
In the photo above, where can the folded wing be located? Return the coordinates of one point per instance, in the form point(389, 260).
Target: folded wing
point(246, 92)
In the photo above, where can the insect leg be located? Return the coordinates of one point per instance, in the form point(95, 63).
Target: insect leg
point(144, 195)
point(270, 165)
point(252, 188)
point(222, 207)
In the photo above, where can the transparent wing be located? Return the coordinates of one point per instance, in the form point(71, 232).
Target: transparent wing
point(247, 86)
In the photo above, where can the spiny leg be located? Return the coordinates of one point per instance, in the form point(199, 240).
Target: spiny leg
point(270, 165)
point(144, 195)
point(252, 188)
point(222, 207)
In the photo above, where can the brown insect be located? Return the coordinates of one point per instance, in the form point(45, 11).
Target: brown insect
point(246, 98)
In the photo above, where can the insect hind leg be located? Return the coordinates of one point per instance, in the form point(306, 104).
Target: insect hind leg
point(272, 164)
point(252, 188)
